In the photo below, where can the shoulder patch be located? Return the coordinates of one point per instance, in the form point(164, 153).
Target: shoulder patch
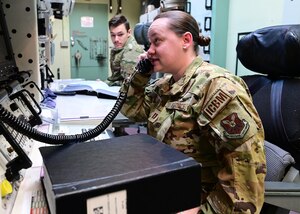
point(218, 101)
point(235, 128)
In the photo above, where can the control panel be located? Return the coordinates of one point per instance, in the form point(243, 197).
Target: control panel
point(14, 146)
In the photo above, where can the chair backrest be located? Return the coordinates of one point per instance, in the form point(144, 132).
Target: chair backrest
point(274, 53)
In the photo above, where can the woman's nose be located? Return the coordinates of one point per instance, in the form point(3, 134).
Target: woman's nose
point(150, 51)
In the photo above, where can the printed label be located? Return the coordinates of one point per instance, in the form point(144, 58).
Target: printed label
point(112, 203)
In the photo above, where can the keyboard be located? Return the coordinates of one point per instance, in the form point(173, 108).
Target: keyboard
point(38, 202)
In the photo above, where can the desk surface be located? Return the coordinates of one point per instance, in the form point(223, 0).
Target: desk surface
point(82, 107)
point(85, 108)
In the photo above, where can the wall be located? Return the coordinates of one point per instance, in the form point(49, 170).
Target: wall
point(247, 16)
point(229, 18)
point(130, 8)
point(202, 14)
point(218, 43)
point(291, 13)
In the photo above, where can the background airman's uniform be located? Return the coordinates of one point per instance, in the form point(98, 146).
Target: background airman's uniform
point(123, 61)
point(209, 115)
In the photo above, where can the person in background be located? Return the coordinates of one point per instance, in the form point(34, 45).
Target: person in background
point(203, 111)
point(124, 54)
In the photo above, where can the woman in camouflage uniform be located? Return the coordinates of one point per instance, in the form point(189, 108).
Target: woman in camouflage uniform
point(203, 111)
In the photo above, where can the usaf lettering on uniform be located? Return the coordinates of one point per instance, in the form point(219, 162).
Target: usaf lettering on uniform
point(218, 101)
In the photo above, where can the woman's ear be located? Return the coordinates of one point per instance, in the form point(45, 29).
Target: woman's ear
point(187, 39)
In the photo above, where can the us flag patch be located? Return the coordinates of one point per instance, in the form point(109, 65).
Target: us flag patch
point(234, 127)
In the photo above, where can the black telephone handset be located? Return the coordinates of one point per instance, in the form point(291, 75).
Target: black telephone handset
point(144, 66)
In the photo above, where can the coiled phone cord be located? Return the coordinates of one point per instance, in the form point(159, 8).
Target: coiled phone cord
point(26, 129)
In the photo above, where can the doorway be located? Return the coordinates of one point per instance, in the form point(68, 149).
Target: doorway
point(89, 41)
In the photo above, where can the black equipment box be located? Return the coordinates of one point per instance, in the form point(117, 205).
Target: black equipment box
point(129, 174)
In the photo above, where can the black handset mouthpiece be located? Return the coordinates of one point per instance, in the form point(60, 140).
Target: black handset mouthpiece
point(144, 66)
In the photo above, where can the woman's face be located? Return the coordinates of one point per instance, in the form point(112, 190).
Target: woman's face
point(166, 47)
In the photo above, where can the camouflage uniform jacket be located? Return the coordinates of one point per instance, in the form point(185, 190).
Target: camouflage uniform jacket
point(209, 115)
point(123, 61)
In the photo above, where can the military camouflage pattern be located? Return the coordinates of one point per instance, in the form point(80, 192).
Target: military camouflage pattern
point(123, 61)
point(209, 115)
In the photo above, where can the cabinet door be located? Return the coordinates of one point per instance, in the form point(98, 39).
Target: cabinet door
point(89, 41)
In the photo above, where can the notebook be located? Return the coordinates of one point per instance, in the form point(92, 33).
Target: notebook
point(90, 87)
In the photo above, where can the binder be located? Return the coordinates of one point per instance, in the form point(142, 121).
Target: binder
point(131, 174)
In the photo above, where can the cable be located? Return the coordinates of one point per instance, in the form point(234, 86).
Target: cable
point(26, 129)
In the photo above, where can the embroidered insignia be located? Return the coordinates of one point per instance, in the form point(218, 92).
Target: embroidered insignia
point(235, 128)
point(217, 103)
point(154, 115)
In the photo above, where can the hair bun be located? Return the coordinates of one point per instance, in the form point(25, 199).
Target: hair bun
point(203, 40)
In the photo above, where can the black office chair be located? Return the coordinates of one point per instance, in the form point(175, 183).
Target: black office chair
point(274, 54)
